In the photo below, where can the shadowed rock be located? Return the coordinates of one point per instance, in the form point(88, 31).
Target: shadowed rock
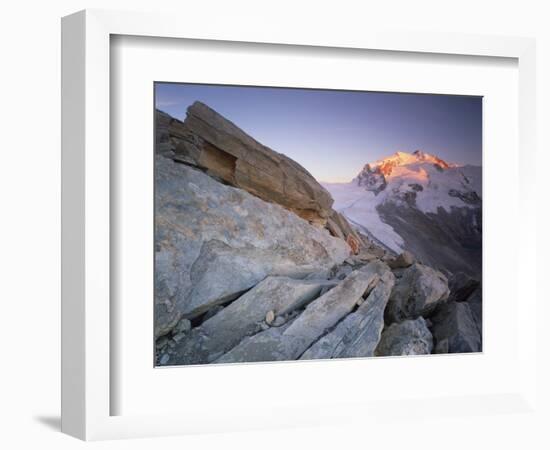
point(404, 260)
point(454, 329)
point(417, 293)
point(410, 337)
point(461, 286)
point(475, 303)
point(213, 241)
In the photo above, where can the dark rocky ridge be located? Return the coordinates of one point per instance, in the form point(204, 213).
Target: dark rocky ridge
point(450, 241)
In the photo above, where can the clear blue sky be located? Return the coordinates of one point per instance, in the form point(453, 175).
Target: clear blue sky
point(333, 134)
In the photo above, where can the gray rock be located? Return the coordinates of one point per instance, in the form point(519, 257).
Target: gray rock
point(327, 288)
point(324, 275)
point(214, 242)
point(417, 293)
point(404, 260)
point(454, 329)
point(319, 317)
point(461, 286)
point(475, 303)
point(211, 312)
point(268, 345)
point(364, 256)
point(343, 272)
point(241, 318)
point(178, 337)
point(410, 337)
point(183, 326)
point(164, 359)
point(161, 342)
point(278, 321)
point(358, 334)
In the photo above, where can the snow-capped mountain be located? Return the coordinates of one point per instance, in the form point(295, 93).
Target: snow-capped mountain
point(418, 202)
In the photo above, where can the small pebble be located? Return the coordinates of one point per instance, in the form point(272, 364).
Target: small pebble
point(183, 326)
point(270, 317)
point(164, 359)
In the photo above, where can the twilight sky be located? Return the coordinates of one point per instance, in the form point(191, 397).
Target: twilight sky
point(333, 134)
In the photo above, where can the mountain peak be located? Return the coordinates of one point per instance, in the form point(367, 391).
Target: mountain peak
point(375, 176)
point(400, 158)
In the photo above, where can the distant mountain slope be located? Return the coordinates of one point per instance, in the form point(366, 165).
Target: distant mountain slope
point(421, 203)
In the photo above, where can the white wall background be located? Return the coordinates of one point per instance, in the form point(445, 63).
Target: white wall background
point(30, 192)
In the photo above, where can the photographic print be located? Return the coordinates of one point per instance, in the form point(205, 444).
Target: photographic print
point(301, 224)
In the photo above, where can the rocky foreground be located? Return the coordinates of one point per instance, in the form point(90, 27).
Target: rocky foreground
point(253, 264)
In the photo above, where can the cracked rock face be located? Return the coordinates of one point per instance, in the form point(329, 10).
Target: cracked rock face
point(275, 296)
point(213, 242)
point(359, 333)
point(319, 317)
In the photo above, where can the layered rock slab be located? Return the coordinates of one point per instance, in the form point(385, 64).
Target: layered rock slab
point(318, 318)
point(218, 146)
point(218, 334)
point(410, 337)
point(358, 334)
point(213, 242)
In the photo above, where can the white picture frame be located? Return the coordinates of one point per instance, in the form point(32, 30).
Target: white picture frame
point(87, 385)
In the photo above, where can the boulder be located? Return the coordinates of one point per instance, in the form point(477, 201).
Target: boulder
point(290, 341)
point(410, 337)
point(404, 260)
point(461, 286)
point(358, 334)
point(213, 242)
point(218, 146)
point(418, 291)
point(269, 298)
point(454, 329)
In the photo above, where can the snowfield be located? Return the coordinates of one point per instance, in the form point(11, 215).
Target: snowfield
point(359, 207)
